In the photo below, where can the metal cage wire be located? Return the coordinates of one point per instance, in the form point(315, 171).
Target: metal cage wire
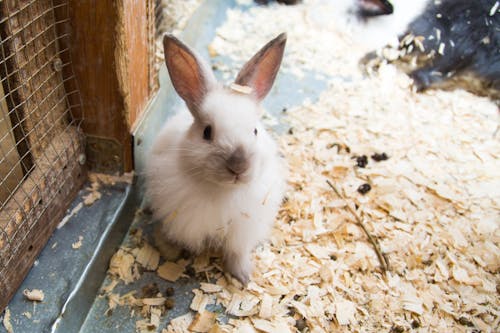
point(40, 139)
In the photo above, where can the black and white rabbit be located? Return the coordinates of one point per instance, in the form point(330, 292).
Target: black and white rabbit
point(214, 177)
point(451, 38)
point(460, 36)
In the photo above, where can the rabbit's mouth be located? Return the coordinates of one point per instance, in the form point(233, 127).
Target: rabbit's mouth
point(236, 179)
point(243, 178)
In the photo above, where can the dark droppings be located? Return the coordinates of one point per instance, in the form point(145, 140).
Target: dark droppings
point(170, 292)
point(465, 322)
point(300, 324)
point(364, 188)
point(361, 161)
point(380, 157)
point(185, 254)
point(150, 290)
point(169, 303)
point(397, 329)
point(190, 271)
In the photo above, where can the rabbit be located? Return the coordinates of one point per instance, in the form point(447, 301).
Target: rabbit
point(460, 36)
point(452, 39)
point(214, 176)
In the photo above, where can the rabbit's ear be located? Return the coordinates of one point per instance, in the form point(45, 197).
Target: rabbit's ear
point(190, 77)
point(260, 71)
point(368, 8)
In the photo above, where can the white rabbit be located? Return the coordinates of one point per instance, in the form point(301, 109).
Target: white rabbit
point(214, 176)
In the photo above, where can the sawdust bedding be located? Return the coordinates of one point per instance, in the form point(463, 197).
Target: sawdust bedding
point(431, 202)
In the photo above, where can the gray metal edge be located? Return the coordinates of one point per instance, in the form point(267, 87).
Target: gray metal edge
point(76, 307)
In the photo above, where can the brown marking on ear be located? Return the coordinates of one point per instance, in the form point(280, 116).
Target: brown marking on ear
point(261, 70)
point(185, 72)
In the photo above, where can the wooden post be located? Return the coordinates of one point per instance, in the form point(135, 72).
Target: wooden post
point(111, 53)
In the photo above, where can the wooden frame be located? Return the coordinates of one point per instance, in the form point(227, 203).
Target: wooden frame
point(111, 54)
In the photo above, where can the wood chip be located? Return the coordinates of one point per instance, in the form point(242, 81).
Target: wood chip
point(122, 266)
point(242, 305)
point(218, 329)
point(180, 324)
point(76, 245)
point(73, 212)
point(412, 303)
point(200, 301)
point(34, 294)
point(170, 271)
point(6, 321)
point(147, 257)
point(245, 90)
point(210, 287)
point(266, 307)
point(271, 327)
point(203, 322)
point(345, 312)
point(156, 301)
point(92, 197)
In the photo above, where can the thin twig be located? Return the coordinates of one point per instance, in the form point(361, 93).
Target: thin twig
point(384, 262)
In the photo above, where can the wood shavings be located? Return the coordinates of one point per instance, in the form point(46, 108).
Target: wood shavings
point(154, 301)
point(34, 294)
point(242, 305)
point(271, 327)
point(180, 324)
point(245, 90)
point(432, 206)
point(76, 245)
point(219, 329)
point(104, 179)
point(203, 322)
point(66, 218)
point(170, 271)
point(109, 288)
point(266, 307)
point(147, 257)
point(6, 321)
point(412, 303)
point(199, 301)
point(381, 257)
point(122, 265)
point(210, 287)
point(345, 311)
point(92, 197)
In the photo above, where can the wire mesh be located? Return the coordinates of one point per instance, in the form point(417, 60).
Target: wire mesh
point(40, 140)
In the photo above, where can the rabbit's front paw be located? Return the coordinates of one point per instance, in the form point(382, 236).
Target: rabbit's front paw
point(239, 266)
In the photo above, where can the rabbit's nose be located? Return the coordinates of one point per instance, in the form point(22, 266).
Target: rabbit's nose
point(237, 163)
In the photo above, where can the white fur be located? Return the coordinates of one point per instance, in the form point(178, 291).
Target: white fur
point(381, 30)
point(199, 209)
point(377, 31)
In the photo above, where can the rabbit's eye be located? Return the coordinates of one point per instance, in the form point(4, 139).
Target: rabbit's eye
point(255, 132)
point(207, 133)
